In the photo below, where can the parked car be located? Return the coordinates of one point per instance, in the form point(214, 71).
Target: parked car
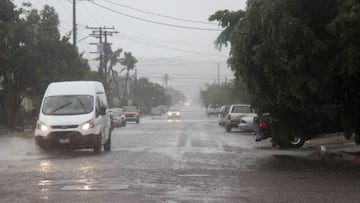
point(247, 123)
point(222, 113)
point(117, 117)
point(236, 112)
point(174, 113)
point(131, 113)
point(212, 109)
point(73, 115)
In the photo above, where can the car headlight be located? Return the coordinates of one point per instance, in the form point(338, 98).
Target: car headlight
point(42, 127)
point(169, 114)
point(88, 125)
point(178, 113)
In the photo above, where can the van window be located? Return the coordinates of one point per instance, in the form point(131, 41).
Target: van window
point(68, 105)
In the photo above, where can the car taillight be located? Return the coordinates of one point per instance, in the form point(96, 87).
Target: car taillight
point(264, 124)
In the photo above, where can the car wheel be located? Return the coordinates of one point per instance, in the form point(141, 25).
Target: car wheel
point(97, 148)
point(107, 145)
point(228, 128)
point(297, 141)
point(44, 148)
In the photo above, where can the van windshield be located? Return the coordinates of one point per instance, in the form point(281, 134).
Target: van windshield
point(68, 105)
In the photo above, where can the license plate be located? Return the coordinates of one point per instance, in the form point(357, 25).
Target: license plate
point(64, 141)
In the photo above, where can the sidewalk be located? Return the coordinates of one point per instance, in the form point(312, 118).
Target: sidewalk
point(336, 146)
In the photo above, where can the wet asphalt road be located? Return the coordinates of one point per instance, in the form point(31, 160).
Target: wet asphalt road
point(191, 160)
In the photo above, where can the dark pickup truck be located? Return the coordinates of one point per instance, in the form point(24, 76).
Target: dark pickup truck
point(318, 124)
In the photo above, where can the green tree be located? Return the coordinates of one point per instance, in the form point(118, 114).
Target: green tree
point(225, 93)
point(150, 94)
point(32, 55)
point(297, 57)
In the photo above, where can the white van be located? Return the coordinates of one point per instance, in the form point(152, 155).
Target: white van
point(73, 115)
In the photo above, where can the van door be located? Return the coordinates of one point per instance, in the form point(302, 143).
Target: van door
point(102, 118)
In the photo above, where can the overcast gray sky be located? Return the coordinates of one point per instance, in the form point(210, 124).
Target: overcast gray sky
point(182, 49)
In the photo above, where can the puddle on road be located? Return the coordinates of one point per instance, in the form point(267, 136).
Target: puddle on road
point(194, 175)
point(95, 187)
point(17, 148)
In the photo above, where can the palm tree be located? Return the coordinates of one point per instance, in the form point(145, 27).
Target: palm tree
point(129, 62)
point(114, 59)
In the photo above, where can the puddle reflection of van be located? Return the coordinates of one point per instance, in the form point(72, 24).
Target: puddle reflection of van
point(73, 115)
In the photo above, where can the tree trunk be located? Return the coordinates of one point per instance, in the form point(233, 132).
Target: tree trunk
point(116, 85)
point(126, 84)
point(12, 102)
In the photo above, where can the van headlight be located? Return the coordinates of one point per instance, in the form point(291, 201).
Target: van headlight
point(88, 125)
point(41, 126)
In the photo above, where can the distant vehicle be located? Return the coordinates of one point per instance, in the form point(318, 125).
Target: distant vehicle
point(236, 112)
point(158, 110)
point(117, 117)
point(173, 113)
point(131, 113)
point(222, 113)
point(212, 110)
point(247, 123)
point(73, 115)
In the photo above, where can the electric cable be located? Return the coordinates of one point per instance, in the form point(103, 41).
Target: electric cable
point(155, 22)
point(160, 15)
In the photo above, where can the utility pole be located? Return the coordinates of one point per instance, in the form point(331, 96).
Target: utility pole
point(74, 23)
point(166, 79)
point(218, 73)
point(100, 33)
point(103, 49)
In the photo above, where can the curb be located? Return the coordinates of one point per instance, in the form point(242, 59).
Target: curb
point(349, 157)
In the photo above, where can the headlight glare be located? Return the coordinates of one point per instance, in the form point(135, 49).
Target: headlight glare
point(42, 127)
point(88, 125)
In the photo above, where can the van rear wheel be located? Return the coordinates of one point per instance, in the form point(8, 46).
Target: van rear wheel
point(228, 128)
point(107, 145)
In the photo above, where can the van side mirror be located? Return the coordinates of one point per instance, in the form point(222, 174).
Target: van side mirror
point(102, 110)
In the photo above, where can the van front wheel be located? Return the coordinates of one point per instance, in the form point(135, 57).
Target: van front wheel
point(97, 148)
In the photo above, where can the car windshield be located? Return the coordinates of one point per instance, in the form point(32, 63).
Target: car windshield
point(68, 105)
point(241, 109)
point(129, 108)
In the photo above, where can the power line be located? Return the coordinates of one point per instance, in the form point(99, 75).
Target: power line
point(174, 48)
point(180, 43)
point(160, 15)
point(84, 38)
point(184, 74)
point(155, 22)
